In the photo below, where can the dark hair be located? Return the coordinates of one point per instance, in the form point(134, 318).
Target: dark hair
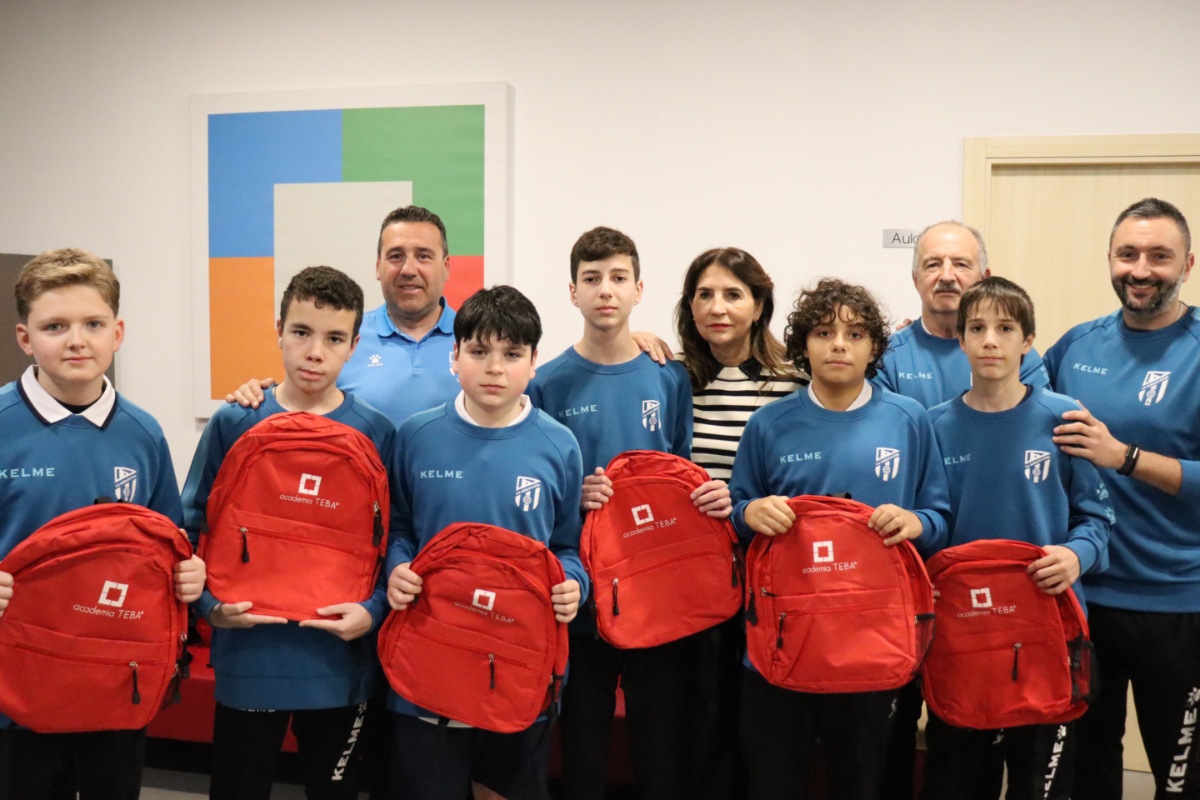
point(764, 347)
point(601, 243)
point(819, 306)
point(1153, 208)
point(501, 312)
point(1004, 295)
point(412, 214)
point(325, 286)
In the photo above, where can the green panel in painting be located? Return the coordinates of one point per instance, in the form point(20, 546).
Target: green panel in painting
point(438, 148)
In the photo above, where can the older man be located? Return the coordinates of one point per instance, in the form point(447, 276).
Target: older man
point(923, 360)
point(1137, 374)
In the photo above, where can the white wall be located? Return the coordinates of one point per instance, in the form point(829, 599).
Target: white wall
point(793, 128)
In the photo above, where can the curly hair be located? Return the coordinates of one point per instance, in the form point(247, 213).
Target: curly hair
point(819, 306)
point(324, 286)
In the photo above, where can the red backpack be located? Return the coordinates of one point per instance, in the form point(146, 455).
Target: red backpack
point(93, 638)
point(661, 570)
point(480, 644)
point(830, 608)
point(297, 517)
point(1007, 653)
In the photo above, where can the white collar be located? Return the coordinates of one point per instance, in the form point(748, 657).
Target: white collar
point(863, 398)
point(52, 411)
point(460, 405)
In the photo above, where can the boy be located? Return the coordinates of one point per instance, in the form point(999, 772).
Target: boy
point(486, 444)
point(320, 673)
point(80, 440)
point(1009, 481)
point(838, 435)
point(613, 398)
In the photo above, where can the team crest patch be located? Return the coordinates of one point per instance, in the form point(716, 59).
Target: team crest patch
point(529, 493)
point(1037, 465)
point(1154, 386)
point(887, 462)
point(650, 412)
point(124, 483)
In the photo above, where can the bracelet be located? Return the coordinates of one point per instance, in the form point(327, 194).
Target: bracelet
point(1132, 452)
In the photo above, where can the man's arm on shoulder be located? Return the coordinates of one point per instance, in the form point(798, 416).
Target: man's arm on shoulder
point(1082, 434)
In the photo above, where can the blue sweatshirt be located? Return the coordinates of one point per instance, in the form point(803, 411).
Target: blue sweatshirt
point(1145, 386)
point(1008, 480)
point(448, 470)
point(931, 369)
point(882, 452)
point(53, 461)
point(611, 408)
point(283, 667)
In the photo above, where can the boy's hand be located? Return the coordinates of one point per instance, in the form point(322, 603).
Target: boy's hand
point(895, 523)
point(1056, 571)
point(712, 498)
point(403, 586)
point(597, 489)
point(250, 393)
point(770, 516)
point(235, 615)
point(189, 579)
point(6, 590)
point(353, 620)
point(565, 597)
point(653, 346)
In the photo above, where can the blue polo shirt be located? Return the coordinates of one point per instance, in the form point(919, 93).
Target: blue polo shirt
point(397, 374)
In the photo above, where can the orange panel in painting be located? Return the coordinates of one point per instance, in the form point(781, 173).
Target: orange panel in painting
point(466, 278)
point(241, 322)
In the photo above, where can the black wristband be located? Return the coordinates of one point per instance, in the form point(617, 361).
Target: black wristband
point(1132, 452)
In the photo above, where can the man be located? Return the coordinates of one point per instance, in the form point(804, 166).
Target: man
point(402, 363)
point(1137, 374)
point(924, 361)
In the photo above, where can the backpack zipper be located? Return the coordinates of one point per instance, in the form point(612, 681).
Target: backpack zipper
point(1016, 656)
point(779, 635)
point(378, 525)
point(492, 670)
point(245, 546)
point(616, 608)
point(137, 697)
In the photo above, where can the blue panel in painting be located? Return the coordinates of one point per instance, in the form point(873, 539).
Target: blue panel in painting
point(247, 155)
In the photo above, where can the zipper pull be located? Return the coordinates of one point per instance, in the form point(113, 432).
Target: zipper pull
point(616, 608)
point(779, 636)
point(176, 697)
point(137, 696)
point(1016, 655)
point(185, 671)
point(245, 547)
point(492, 670)
point(751, 611)
point(734, 576)
point(378, 526)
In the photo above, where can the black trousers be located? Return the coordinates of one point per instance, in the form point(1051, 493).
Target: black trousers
point(1040, 761)
point(655, 681)
point(1159, 654)
point(246, 747)
point(715, 769)
point(102, 765)
point(779, 729)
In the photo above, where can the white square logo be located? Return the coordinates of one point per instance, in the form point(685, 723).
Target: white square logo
point(981, 598)
point(310, 485)
point(642, 514)
point(106, 594)
point(822, 552)
point(484, 599)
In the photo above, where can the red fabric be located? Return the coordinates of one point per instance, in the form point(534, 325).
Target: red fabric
point(830, 608)
point(661, 570)
point(1006, 653)
point(480, 644)
point(93, 634)
point(297, 517)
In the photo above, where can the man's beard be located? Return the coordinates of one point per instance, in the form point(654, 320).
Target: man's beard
point(1165, 295)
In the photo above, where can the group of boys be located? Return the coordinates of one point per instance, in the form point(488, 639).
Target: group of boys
point(461, 457)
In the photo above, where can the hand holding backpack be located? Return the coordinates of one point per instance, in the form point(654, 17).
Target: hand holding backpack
point(1007, 653)
point(93, 638)
point(480, 643)
point(661, 569)
point(830, 608)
